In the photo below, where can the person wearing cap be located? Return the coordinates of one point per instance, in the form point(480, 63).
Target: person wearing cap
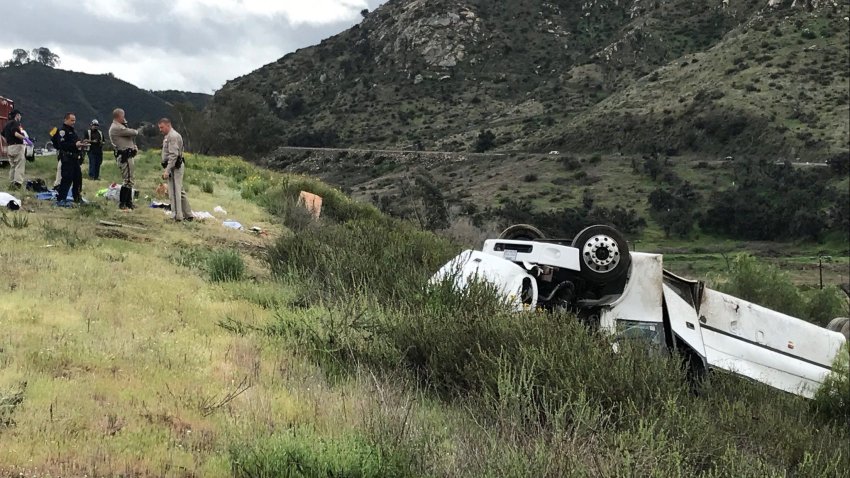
point(95, 137)
point(124, 147)
point(14, 135)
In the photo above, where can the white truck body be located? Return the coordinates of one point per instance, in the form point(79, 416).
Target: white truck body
point(725, 332)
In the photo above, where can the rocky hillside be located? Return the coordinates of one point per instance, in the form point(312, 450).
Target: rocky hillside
point(45, 94)
point(715, 77)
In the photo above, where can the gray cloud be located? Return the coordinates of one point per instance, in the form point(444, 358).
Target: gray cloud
point(193, 45)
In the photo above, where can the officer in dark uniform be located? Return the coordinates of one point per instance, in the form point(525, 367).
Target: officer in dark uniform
point(69, 148)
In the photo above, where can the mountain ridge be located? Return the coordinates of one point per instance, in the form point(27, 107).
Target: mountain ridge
point(437, 73)
point(45, 94)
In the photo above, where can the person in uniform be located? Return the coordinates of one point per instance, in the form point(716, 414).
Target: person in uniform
point(173, 170)
point(95, 137)
point(15, 138)
point(124, 147)
point(70, 155)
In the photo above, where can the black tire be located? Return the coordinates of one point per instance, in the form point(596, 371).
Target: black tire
point(522, 232)
point(841, 325)
point(604, 254)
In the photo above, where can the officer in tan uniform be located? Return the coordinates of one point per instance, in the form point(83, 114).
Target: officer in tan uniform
point(124, 148)
point(174, 167)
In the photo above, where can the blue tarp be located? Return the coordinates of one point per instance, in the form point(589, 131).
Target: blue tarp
point(51, 196)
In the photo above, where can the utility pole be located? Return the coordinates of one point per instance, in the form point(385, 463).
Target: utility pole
point(821, 255)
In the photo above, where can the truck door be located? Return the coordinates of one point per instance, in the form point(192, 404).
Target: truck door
point(681, 297)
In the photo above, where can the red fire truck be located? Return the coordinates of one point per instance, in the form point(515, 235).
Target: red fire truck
point(6, 106)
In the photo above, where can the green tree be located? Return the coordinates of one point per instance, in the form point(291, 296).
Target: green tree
point(486, 141)
point(44, 56)
point(19, 57)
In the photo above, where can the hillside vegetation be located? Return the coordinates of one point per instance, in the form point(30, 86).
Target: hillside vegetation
point(162, 349)
point(712, 78)
point(45, 94)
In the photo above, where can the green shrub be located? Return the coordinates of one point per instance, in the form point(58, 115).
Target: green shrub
point(767, 285)
point(191, 257)
point(303, 453)
point(208, 187)
point(384, 258)
point(336, 206)
point(225, 265)
point(832, 400)
point(823, 305)
point(763, 284)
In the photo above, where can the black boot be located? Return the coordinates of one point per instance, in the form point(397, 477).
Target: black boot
point(122, 198)
point(130, 199)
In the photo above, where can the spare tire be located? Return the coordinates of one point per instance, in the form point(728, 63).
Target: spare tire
point(604, 254)
point(841, 325)
point(522, 232)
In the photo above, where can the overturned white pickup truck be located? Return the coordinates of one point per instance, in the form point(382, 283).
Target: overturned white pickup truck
point(630, 295)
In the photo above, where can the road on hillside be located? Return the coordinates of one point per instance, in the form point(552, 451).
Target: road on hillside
point(554, 154)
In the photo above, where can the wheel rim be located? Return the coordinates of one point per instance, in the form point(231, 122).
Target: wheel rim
point(601, 254)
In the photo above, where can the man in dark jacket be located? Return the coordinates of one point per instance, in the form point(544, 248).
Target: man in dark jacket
point(69, 148)
point(95, 137)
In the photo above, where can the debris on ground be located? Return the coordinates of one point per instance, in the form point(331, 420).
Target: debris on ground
point(52, 195)
point(259, 231)
point(37, 185)
point(10, 202)
point(219, 210)
point(161, 191)
point(233, 224)
point(118, 224)
point(311, 202)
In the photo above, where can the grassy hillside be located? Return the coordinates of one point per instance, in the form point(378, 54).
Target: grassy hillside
point(162, 349)
point(706, 78)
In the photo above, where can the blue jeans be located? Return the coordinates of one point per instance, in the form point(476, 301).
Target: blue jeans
point(95, 160)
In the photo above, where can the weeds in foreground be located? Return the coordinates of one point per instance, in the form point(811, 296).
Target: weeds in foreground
point(72, 238)
point(300, 452)
point(19, 221)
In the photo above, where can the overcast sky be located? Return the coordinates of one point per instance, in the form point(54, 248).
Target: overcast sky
point(190, 45)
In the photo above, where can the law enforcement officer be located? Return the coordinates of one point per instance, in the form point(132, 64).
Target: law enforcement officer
point(15, 138)
point(95, 137)
point(69, 148)
point(124, 146)
point(173, 170)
